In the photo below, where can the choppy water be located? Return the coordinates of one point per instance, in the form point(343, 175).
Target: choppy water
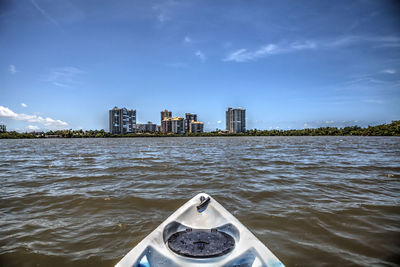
point(314, 201)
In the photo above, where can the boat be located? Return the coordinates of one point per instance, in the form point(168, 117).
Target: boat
point(200, 233)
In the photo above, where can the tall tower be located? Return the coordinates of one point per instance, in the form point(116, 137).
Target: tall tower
point(236, 120)
point(189, 117)
point(165, 114)
point(122, 120)
point(178, 125)
point(166, 121)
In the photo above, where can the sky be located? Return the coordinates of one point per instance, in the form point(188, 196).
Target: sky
point(290, 64)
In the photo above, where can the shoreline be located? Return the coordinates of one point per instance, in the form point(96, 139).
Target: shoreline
point(391, 129)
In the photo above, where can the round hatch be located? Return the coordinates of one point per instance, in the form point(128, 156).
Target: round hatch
point(199, 243)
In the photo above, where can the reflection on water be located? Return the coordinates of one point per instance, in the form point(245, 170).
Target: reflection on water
point(311, 200)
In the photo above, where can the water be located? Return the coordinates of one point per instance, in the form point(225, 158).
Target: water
point(326, 201)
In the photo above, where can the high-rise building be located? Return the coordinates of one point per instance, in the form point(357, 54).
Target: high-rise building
point(122, 120)
point(165, 114)
point(178, 125)
point(189, 117)
point(173, 125)
point(236, 120)
point(3, 128)
point(166, 125)
point(196, 127)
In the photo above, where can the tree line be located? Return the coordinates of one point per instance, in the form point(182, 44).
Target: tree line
point(391, 129)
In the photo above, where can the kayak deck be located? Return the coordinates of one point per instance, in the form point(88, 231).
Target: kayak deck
point(200, 233)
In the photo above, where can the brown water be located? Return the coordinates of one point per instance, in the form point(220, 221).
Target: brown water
point(314, 201)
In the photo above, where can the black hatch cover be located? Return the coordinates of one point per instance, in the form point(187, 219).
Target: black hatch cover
point(199, 243)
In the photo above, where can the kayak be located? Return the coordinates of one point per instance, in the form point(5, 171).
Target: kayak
point(200, 233)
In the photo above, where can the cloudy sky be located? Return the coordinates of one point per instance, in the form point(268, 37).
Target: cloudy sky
point(290, 64)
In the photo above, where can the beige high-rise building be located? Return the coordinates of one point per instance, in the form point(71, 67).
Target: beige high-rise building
point(189, 117)
point(196, 127)
point(174, 125)
point(166, 114)
point(166, 125)
point(178, 125)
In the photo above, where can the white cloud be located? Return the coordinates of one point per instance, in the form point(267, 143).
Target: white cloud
point(64, 77)
point(48, 122)
point(303, 45)
point(341, 41)
point(44, 13)
point(162, 18)
point(13, 69)
point(33, 127)
point(365, 80)
point(377, 41)
point(187, 39)
point(389, 71)
point(200, 55)
point(243, 55)
point(164, 9)
point(24, 105)
point(219, 122)
point(62, 85)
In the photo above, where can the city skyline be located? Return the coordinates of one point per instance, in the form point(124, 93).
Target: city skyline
point(123, 121)
point(292, 65)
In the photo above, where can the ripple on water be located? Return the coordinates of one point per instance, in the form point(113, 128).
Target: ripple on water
point(311, 200)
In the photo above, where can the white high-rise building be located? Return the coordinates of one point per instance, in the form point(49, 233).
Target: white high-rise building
point(236, 120)
point(122, 120)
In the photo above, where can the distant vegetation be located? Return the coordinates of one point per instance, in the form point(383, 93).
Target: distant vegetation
point(392, 129)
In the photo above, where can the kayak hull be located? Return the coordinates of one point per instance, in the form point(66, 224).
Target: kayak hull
point(154, 250)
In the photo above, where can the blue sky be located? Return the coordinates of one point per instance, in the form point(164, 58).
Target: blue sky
point(290, 64)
